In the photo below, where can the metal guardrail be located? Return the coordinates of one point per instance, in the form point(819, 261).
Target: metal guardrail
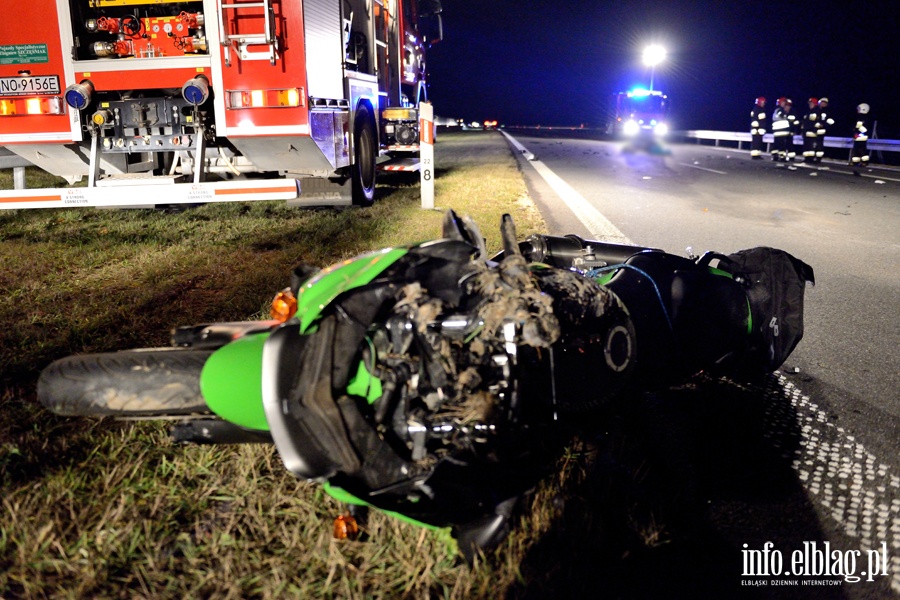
point(830, 142)
point(8, 160)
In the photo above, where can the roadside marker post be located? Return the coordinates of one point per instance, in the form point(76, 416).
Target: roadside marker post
point(426, 153)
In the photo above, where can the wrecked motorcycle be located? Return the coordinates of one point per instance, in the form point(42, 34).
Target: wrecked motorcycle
point(434, 382)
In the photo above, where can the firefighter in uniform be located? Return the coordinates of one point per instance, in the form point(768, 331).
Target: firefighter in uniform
point(757, 127)
point(860, 154)
point(794, 129)
point(825, 121)
point(780, 131)
point(809, 127)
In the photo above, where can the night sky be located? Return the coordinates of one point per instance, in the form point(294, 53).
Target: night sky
point(524, 62)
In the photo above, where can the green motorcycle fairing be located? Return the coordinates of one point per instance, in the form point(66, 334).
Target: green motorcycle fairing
point(326, 285)
point(231, 380)
point(342, 495)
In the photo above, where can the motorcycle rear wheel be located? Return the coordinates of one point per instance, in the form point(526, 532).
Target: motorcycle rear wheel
point(133, 384)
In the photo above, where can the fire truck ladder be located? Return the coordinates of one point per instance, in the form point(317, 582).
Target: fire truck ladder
point(243, 40)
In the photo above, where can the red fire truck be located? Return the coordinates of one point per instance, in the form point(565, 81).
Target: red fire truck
point(190, 101)
point(640, 113)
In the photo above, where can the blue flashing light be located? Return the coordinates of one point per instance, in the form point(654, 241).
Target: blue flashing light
point(78, 95)
point(194, 95)
point(640, 93)
point(196, 90)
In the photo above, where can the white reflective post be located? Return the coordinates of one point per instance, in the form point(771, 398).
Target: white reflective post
point(19, 178)
point(426, 153)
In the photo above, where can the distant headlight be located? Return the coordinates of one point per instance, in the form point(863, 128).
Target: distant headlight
point(631, 128)
point(661, 130)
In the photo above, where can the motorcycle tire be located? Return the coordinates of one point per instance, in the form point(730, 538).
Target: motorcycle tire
point(150, 383)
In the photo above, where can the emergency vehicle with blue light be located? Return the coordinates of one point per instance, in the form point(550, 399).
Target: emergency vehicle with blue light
point(640, 113)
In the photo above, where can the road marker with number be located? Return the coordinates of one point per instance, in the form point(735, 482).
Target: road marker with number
point(426, 153)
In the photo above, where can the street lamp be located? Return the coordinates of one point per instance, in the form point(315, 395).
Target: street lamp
point(653, 55)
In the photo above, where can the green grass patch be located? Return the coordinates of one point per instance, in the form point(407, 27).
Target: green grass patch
point(34, 178)
point(105, 509)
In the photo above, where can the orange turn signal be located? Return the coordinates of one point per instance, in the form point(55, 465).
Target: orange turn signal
point(346, 528)
point(284, 306)
point(275, 98)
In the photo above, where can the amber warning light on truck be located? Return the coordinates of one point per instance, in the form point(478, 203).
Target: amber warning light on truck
point(27, 94)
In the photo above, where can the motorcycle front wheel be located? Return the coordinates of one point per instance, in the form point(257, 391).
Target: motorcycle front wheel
point(149, 383)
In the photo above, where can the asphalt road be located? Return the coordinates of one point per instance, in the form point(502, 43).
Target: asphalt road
point(833, 412)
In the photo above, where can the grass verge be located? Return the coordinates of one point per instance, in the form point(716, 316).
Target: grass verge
point(104, 509)
point(113, 510)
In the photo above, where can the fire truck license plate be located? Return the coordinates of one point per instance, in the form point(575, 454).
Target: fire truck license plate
point(29, 86)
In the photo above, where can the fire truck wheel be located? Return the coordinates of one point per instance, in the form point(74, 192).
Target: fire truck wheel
point(365, 152)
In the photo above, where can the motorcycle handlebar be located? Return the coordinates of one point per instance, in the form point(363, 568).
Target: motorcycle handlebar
point(566, 252)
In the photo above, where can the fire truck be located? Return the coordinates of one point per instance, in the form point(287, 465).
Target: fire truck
point(640, 113)
point(193, 101)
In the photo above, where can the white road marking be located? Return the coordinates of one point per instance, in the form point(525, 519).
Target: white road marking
point(703, 168)
point(598, 225)
point(856, 489)
point(852, 485)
